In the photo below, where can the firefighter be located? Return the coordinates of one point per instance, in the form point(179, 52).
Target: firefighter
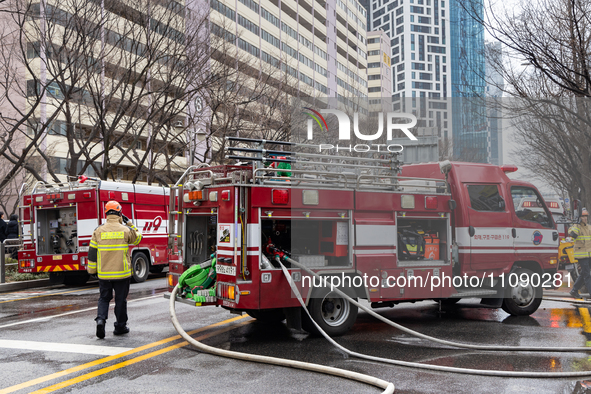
point(582, 251)
point(109, 258)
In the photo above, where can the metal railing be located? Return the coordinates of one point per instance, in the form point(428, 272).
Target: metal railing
point(9, 243)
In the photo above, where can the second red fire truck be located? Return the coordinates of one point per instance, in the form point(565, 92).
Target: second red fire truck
point(58, 222)
point(442, 231)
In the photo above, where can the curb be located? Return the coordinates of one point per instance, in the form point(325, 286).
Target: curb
point(27, 284)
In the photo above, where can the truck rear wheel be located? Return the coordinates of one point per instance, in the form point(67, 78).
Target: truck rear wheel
point(267, 315)
point(333, 313)
point(523, 299)
point(140, 267)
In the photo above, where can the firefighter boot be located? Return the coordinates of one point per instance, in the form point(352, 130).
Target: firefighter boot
point(121, 330)
point(100, 328)
point(575, 293)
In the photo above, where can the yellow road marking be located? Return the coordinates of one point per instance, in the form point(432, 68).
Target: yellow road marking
point(132, 361)
point(110, 358)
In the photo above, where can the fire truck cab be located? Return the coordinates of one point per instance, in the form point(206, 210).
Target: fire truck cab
point(58, 222)
point(376, 234)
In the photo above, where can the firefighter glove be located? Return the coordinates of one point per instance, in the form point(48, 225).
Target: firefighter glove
point(125, 219)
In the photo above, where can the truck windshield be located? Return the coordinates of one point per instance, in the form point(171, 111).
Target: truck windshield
point(523, 212)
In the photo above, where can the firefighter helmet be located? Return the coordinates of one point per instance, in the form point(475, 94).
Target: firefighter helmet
point(585, 212)
point(112, 207)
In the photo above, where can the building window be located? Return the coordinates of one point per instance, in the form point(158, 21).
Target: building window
point(247, 24)
point(251, 4)
point(270, 17)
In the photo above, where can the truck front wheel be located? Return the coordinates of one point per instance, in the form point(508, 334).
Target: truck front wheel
point(140, 267)
point(333, 313)
point(522, 299)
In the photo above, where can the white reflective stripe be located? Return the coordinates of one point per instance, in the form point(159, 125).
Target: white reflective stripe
point(374, 251)
point(485, 251)
point(253, 235)
point(86, 227)
point(253, 253)
point(554, 251)
point(374, 234)
point(505, 251)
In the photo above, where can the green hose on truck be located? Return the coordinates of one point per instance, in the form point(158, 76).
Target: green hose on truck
point(198, 282)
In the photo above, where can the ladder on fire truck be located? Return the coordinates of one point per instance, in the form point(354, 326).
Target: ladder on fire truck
point(306, 169)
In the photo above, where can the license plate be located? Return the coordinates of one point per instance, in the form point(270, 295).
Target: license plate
point(225, 270)
point(83, 249)
point(569, 266)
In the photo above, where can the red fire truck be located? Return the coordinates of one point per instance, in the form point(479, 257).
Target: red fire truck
point(455, 228)
point(58, 222)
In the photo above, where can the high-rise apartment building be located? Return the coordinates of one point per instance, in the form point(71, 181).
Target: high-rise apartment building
point(418, 31)
point(379, 73)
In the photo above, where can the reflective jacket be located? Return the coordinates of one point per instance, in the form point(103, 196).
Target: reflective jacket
point(582, 235)
point(109, 249)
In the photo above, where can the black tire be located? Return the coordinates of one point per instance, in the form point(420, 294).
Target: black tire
point(334, 314)
point(156, 269)
point(522, 300)
point(140, 267)
point(267, 315)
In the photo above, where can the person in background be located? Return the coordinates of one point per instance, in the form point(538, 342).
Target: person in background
point(2, 227)
point(581, 233)
point(12, 233)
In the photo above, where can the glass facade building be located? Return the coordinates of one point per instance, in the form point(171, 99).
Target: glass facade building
point(469, 118)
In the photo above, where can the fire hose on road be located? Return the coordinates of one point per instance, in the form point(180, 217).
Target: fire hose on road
point(440, 368)
point(387, 386)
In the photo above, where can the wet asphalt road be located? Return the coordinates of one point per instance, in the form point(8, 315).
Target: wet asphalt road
point(154, 361)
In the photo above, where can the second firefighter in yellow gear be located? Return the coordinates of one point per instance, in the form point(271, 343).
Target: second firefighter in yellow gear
point(582, 252)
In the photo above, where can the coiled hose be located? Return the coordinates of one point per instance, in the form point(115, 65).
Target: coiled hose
point(371, 380)
point(515, 374)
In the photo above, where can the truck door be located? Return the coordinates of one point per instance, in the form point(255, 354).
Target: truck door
point(491, 245)
point(533, 230)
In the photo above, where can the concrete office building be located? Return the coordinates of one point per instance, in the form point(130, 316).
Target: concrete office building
point(321, 43)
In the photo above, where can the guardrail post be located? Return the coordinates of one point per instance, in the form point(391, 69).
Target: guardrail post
point(2, 262)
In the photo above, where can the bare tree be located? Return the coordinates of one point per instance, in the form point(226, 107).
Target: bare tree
point(547, 50)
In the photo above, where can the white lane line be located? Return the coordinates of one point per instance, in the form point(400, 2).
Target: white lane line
point(73, 312)
point(62, 347)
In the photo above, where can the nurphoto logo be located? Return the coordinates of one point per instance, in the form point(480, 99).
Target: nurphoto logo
point(392, 120)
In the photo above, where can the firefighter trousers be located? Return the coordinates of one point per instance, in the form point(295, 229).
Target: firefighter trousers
point(585, 277)
point(106, 288)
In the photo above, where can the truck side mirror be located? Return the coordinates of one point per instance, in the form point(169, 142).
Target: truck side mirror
point(502, 204)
